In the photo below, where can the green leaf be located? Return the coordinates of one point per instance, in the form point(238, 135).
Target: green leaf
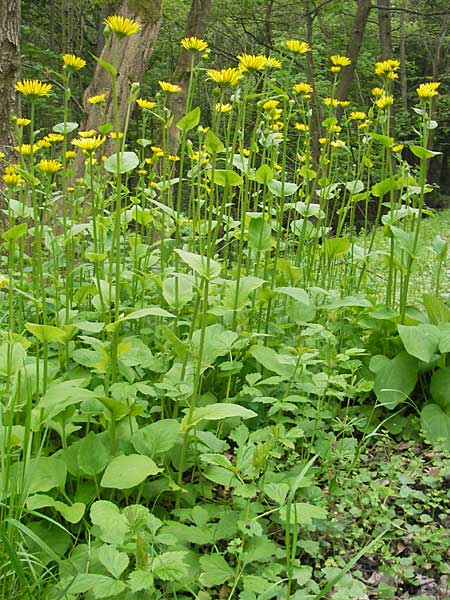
point(92, 454)
point(246, 286)
point(46, 333)
point(224, 177)
point(280, 189)
point(140, 580)
point(277, 492)
point(297, 294)
point(259, 235)
point(124, 472)
point(109, 68)
point(283, 365)
point(436, 425)
point(423, 153)
point(115, 562)
point(171, 566)
point(438, 312)
point(303, 513)
point(213, 144)
point(68, 128)
point(444, 338)
point(128, 162)
point(178, 289)
point(385, 140)
point(14, 233)
point(190, 120)
point(215, 570)
point(421, 341)
point(264, 174)
point(381, 188)
point(46, 473)
point(395, 380)
point(440, 388)
point(215, 412)
point(199, 264)
point(336, 246)
point(102, 586)
point(112, 525)
point(157, 438)
point(72, 513)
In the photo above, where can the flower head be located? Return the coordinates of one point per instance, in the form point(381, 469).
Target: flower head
point(301, 126)
point(50, 166)
point(170, 88)
point(377, 92)
point(122, 26)
point(387, 68)
point(340, 61)
point(54, 137)
point(98, 99)
point(22, 122)
point(89, 144)
point(251, 63)
point(223, 108)
point(70, 154)
point(224, 77)
point(357, 115)
point(87, 134)
point(397, 147)
point(73, 62)
point(11, 177)
point(273, 63)
point(298, 47)
point(194, 44)
point(26, 149)
point(303, 88)
point(384, 101)
point(33, 88)
point(428, 90)
point(145, 104)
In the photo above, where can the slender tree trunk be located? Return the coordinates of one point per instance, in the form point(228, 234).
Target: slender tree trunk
point(403, 75)
point(133, 54)
point(9, 70)
point(316, 117)
point(385, 30)
point(52, 24)
point(354, 46)
point(196, 26)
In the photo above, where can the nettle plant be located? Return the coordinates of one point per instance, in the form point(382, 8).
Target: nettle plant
point(161, 300)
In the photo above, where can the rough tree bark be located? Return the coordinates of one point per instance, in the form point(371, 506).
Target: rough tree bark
point(353, 48)
point(133, 55)
point(316, 117)
point(385, 30)
point(196, 26)
point(9, 70)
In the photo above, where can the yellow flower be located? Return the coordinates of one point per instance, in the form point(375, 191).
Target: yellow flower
point(322, 141)
point(278, 126)
point(364, 124)
point(428, 90)
point(397, 147)
point(87, 134)
point(33, 88)
point(357, 115)
point(145, 104)
point(298, 47)
point(122, 26)
point(4, 281)
point(50, 166)
point(12, 179)
point(116, 135)
point(170, 88)
point(223, 108)
point(303, 88)
point(22, 122)
point(334, 129)
point(301, 127)
point(54, 137)
point(142, 172)
point(331, 101)
point(344, 103)
point(194, 44)
point(44, 143)
point(99, 99)
point(224, 77)
point(251, 63)
point(377, 92)
point(273, 63)
point(2, 155)
point(337, 144)
point(89, 144)
point(270, 104)
point(277, 166)
point(70, 154)
point(245, 152)
point(174, 157)
point(340, 61)
point(26, 149)
point(157, 150)
point(384, 101)
point(334, 69)
point(73, 62)
point(387, 68)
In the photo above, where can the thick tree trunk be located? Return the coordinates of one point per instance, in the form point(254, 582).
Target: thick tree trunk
point(9, 70)
point(196, 26)
point(133, 54)
point(354, 46)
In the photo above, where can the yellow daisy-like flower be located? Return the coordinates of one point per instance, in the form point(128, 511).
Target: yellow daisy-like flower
point(223, 108)
point(50, 166)
point(145, 104)
point(33, 88)
point(73, 62)
point(387, 68)
point(334, 69)
point(344, 103)
point(98, 99)
point(22, 122)
point(54, 137)
point(384, 101)
point(303, 88)
point(270, 104)
point(26, 149)
point(334, 102)
point(251, 63)
point(322, 141)
point(224, 77)
point(194, 44)
point(173, 157)
point(87, 134)
point(245, 152)
point(337, 144)
point(70, 154)
point(12, 179)
point(397, 147)
point(298, 47)
point(89, 144)
point(278, 126)
point(273, 63)
point(334, 129)
point(122, 26)
point(301, 127)
point(157, 150)
point(170, 88)
point(428, 90)
point(340, 61)
point(377, 92)
point(116, 135)
point(44, 143)
point(364, 124)
point(357, 115)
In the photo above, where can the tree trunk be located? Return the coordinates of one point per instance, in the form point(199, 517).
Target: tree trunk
point(385, 31)
point(196, 26)
point(403, 75)
point(9, 70)
point(316, 117)
point(353, 48)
